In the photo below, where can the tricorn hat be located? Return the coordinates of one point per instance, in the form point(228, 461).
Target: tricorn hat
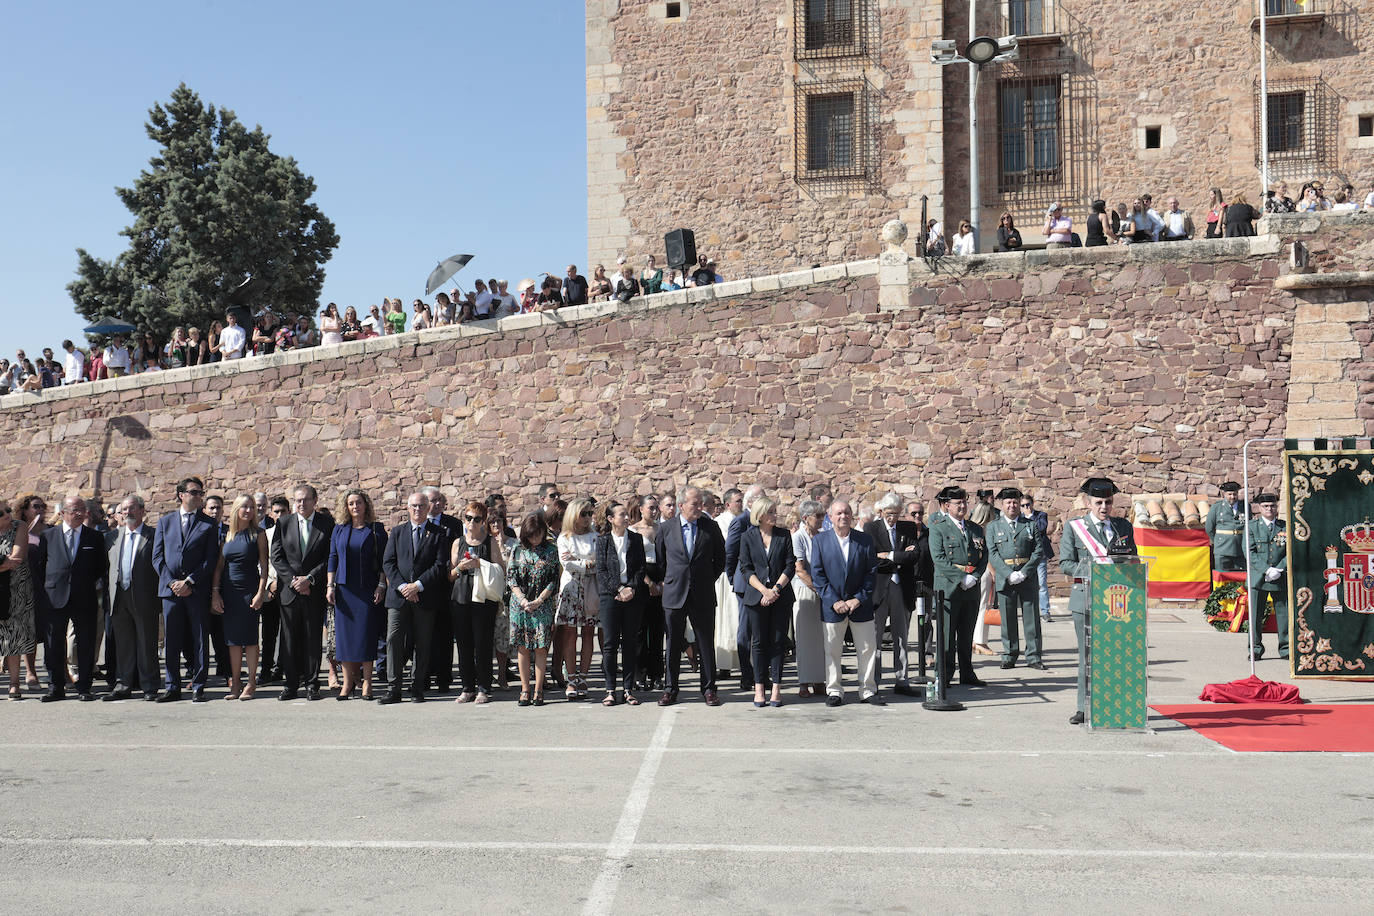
point(1229, 486)
point(953, 491)
point(1099, 487)
point(1008, 493)
point(1265, 498)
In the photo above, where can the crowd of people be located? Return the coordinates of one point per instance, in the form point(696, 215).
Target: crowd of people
point(272, 333)
point(278, 589)
point(1139, 221)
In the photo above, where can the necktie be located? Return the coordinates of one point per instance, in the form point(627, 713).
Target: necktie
point(892, 537)
point(126, 560)
point(687, 537)
point(71, 544)
point(185, 523)
point(414, 540)
point(305, 533)
point(1103, 528)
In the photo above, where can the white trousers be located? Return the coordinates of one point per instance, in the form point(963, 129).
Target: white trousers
point(865, 649)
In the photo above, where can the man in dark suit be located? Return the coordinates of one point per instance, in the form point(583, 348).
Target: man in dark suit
point(843, 568)
point(416, 569)
point(134, 604)
point(441, 662)
point(896, 543)
point(185, 552)
point(925, 571)
point(300, 552)
point(71, 560)
point(270, 670)
point(214, 508)
point(692, 557)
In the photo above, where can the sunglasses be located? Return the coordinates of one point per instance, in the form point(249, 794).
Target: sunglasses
point(552, 495)
point(473, 518)
point(195, 492)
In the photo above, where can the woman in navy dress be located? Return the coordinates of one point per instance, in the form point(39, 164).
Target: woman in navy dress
point(356, 589)
point(240, 588)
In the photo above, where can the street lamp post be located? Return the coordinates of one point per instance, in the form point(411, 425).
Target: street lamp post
point(980, 50)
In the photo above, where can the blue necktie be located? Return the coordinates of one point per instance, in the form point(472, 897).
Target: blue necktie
point(687, 537)
point(414, 541)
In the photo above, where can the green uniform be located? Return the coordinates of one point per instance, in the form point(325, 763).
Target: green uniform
point(1076, 560)
point(1226, 531)
point(1269, 547)
point(957, 554)
point(1014, 546)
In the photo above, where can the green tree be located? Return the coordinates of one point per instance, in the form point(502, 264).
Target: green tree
point(214, 205)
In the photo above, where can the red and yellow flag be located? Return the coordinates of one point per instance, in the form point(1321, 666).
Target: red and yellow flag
point(1182, 565)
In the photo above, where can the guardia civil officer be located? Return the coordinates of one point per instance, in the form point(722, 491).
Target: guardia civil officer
point(1269, 570)
point(958, 548)
point(1014, 553)
point(1226, 530)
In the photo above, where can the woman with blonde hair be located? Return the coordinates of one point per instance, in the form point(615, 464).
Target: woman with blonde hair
point(474, 614)
point(980, 515)
point(578, 600)
point(239, 591)
point(356, 588)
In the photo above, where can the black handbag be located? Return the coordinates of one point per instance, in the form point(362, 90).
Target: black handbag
point(5, 595)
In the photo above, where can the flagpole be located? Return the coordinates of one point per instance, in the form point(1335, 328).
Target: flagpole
point(1264, 100)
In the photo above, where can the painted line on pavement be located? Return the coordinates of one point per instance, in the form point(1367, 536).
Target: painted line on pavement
point(602, 894)
point(576, 749)
point(621, 845)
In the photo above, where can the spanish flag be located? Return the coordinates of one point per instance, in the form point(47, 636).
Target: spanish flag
point(1182, 565)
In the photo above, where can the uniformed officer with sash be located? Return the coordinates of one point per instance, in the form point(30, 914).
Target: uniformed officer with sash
point(1268, 570)
point(1093, 538)
point(959, 551)
point(1014, 552)
point(1226, 530)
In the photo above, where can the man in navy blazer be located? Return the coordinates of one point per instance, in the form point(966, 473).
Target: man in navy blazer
point(844, 567)
point(71, 560)
point(691, 554)
point(185, 553)
point(416, 567)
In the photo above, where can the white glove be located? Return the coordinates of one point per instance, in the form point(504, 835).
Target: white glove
point(970, 580)
point(1272, 574)
point(1017, 577)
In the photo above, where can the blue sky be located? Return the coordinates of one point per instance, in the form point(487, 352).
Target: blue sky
point(429, 128)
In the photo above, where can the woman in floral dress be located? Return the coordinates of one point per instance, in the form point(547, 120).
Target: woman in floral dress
point(578, 604)
point(17, 631)
point(532, 575)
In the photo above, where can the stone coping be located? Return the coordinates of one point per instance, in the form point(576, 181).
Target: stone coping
point(1336, 279)
point(1197, 250)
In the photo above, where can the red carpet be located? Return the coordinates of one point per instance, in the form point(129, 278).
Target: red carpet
point(1339, 727)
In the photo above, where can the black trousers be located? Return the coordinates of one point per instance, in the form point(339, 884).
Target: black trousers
point(744, 640)
point(649, 656)
point(219, 645)
point(271, 629)
point(703, 619)
point(302, 638)
point(409, 628)
point(83, 624)
point(961, 616)
point(620, 625)
point(441, 653)
point(768, 631)
point(134, 644)
point(474, 629)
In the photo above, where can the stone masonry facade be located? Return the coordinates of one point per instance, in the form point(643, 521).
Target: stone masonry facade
point(1152, 364)
point(693, 121)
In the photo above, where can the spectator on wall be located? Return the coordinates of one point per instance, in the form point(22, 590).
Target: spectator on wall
point(74, 369)
point(575, 287)
point(1008, 236)
point(117, 357)
point(1240, 217)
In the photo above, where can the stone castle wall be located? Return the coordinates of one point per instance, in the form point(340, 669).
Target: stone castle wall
point(1152, 364)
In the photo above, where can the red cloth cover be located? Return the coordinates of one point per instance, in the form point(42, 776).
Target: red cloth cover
point(1251, 690)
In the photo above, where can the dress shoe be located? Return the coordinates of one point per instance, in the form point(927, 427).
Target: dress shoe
point(290, 693)
point(312, 693)
point(874, 699)
point(834, 700)
point(712, 698)
point(1076, 719)
point(417, 696)
point(198, 695)
point(906, 690)
point(169, 696)
point(1038, 666)
point(54, 696)
point(1009, 663)
point(971, 680)
point(119, 693)
point(668, 699)
point(775, 703)
point(86, 696)
point(391, 696)
point(150, 696)
point(341, 696)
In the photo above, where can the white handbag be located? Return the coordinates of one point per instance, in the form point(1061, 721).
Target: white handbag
point(488, 582)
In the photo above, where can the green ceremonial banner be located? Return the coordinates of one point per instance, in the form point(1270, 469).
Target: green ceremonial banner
point(1330, 501)
point(1117, 606)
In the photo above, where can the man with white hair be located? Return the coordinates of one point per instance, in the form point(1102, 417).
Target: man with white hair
point(739, 623)
point(691, 554)
point(441, 643)
point(843, 568)
point(896, 543)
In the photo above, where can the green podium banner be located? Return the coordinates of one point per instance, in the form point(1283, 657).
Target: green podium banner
point(1330, 502)
point(1117, 654)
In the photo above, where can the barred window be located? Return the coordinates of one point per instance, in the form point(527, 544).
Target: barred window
point(1302, 124)
point(1286, 122)
point(830, 132)
point(829, 24)
point(1030, 140)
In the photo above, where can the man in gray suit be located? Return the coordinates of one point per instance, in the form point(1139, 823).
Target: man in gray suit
point(71, 560)
point(134, 604)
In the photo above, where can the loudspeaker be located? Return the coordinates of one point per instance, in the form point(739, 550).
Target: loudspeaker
point(681, 247)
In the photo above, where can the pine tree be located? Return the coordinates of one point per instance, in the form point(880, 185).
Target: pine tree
point(214, 205)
